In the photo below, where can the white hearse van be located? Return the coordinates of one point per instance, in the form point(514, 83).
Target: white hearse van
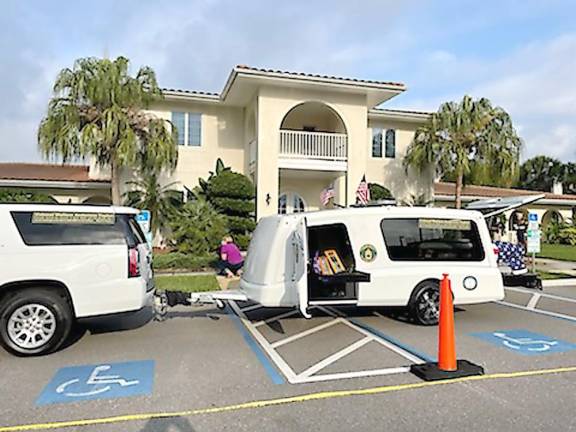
point(372, 256)
point(59, 263)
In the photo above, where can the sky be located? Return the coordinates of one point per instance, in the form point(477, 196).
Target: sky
point(521, 54)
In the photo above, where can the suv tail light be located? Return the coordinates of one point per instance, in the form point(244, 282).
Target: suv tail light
point(496, 251)
point(133, 262)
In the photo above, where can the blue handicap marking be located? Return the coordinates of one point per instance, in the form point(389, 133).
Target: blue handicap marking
point(525, 342)
point(100, 381)
point(533, 217)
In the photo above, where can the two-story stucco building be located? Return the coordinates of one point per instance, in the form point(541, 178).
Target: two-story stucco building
point(295, 134)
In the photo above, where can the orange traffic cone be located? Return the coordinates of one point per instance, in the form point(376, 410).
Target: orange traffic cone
point(446, 337)
point(447, 367)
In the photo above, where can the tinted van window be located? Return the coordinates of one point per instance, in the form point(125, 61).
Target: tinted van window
point(432, 240)
point(69, 228)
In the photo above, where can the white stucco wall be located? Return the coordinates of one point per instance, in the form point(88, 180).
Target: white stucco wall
point(389, 172)
point(222, 136)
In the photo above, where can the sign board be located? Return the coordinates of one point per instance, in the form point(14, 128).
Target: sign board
point(100, 381)
point(143, 218)
point(533, 234)
point(525, 342)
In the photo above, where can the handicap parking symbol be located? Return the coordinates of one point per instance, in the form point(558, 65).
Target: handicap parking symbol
point(525, 342)
point(101, 381)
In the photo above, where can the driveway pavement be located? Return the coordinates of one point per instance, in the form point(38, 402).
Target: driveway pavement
point(212, 370)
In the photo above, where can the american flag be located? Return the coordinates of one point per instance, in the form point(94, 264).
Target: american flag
point(326, 195)
point(363, 193)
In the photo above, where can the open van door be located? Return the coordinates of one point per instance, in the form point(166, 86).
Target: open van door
point(300, 272)
point(494, 206)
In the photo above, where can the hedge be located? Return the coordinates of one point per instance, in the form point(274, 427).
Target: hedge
point(180, 261)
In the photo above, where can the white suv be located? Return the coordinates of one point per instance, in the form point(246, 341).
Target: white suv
point(62, 262)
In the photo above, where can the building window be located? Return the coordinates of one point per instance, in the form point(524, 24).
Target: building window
point(189, 126)
point(391, 143)
point(377, 142)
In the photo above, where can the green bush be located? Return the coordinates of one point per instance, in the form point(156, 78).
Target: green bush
point(230, 184)
point(567, 235)
point(233, 206)
point(24, 196)
point(198, 229)
point(180, 261)
point(232, 195)
point(560, 233)
point(240, 224)
point(242, 240)
point(379, 192)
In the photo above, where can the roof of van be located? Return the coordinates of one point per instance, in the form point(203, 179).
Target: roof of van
point(389, 211)
point(68, 208)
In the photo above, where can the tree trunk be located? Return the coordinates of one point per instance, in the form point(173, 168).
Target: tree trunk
point(459, 181)
point(115, 183)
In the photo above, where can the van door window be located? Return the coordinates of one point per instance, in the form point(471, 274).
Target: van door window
point(427, 239)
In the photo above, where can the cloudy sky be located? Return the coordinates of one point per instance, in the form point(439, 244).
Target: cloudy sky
point(519, 53)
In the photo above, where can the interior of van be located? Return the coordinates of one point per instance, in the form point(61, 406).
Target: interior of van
point(331, 273)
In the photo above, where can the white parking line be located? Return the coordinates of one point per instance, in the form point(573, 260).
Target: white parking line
point(309, 375)
point(335, 357)
point(533, 301)
point(539, 311)
point(277, 317)
point(541, 294)
point(305, 333)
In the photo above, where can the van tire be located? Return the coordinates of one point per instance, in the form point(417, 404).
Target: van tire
point(420, 308)
point(48, 313)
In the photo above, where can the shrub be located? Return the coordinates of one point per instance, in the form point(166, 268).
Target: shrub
point(198, 229)
point(180, 261)
point(233, 195)
point(379, 192)
point(24, 196)
point(560, 233)
point(567, 235)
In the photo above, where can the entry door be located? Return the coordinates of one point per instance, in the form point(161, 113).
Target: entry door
point(291, 202)
point(300, 274)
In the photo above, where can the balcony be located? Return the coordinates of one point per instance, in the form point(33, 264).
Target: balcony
point(313, 150)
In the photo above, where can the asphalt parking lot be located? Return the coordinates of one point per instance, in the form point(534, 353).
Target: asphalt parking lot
point(246, 368)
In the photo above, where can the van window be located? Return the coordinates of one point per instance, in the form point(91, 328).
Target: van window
point(69, 228)
point(424, 239)
point(325, 237)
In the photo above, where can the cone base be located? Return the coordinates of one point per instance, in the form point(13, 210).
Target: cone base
point(430, 371)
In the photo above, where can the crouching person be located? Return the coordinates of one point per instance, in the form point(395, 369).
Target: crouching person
point(231, 260)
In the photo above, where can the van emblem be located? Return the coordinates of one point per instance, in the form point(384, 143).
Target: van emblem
point(368, 253)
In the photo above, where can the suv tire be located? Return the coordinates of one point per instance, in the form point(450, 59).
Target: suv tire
point(34, 321)
point(424, 304)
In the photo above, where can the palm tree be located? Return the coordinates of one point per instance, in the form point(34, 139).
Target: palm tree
point(97, 112)
point(161, 200)
point(460, 134)
point(541, 172)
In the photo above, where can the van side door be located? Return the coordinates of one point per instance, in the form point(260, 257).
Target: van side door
point(300, 271)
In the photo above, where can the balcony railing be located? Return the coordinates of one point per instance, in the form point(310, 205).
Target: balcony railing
point(313, 145)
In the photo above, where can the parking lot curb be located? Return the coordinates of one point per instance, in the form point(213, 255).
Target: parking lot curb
point(279, 401)
point(559, 282)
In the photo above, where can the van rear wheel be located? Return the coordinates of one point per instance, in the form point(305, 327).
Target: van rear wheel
point(34, 321)
point(424, 306)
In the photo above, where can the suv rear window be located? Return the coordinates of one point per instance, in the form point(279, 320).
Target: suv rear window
point(423, 239)
point(69, 228)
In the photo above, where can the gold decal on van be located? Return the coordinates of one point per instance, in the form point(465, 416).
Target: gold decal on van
point(447, 224)
point(73, 218)
point(368, 253)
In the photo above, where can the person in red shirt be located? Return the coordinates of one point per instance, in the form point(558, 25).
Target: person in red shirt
point(231, 259)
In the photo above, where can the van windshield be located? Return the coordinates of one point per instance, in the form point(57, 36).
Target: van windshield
point(422, 239)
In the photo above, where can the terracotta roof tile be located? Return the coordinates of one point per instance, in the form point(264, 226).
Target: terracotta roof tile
point(445, 188)
point(194, 92)
point(356, 80)
point(48, 172)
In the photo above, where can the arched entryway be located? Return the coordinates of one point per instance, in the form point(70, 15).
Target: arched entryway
point(551, 216)
point(291, 202)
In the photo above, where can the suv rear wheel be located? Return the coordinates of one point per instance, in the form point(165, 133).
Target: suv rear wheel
point(34, 321)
